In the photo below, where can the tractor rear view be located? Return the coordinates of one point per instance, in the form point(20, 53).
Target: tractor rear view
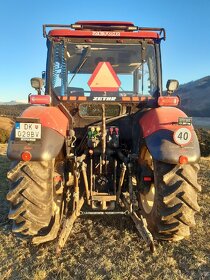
point(103, 138)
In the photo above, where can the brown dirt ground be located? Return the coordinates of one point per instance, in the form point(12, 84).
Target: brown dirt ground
point(103, 248)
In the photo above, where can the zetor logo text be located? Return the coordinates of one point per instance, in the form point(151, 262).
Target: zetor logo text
point(105, 33)
point(104, 98)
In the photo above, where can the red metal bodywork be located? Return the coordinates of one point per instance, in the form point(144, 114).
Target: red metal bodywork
point(50, 117)
point(161, 118)
point(90, 33)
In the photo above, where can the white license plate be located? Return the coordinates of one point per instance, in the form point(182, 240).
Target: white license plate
point(27, 131)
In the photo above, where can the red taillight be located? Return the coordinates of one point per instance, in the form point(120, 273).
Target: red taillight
point(183, 160)
point(147, 179)
point(168, 100)
point(40, 99)
point(26, 156)
point(57, 179)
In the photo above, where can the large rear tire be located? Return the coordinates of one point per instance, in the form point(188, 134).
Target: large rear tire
point(170, 202)
point(33, 198)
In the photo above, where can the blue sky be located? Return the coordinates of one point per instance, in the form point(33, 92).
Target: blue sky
point(185, 53)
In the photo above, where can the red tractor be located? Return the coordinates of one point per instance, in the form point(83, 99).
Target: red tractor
point(103, 138)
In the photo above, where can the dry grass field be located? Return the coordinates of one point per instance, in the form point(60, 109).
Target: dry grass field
point(106, 247)
point(6, 123)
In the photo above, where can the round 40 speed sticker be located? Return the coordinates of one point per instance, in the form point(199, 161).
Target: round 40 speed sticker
point(182, 136)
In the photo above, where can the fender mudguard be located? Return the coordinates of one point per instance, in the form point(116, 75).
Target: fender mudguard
point(53, 132)
point(158, 126)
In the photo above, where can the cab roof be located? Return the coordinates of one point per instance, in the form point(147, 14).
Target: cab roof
point(105, 23)
point(114, 29)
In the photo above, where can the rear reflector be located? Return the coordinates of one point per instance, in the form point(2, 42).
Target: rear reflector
point(57, 179)
point(147, 179)
point(40, 99)
point(26, 156)
point(183, 160)
point(168, 100)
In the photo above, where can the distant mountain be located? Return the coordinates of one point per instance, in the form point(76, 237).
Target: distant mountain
point(14, 102)
point(195, 97)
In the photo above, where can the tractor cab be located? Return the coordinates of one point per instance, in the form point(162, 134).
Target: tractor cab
point(119, 62)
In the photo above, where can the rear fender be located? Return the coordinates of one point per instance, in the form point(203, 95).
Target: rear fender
point(158, 126)
point(54, 129)
point(50, 117)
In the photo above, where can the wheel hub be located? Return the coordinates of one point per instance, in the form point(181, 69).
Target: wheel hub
point(147, 198)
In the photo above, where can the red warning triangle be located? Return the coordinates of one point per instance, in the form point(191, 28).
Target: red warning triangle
point(104, 78)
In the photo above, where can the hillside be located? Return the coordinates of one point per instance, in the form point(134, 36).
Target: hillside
point(6, 123)
point(12, 110)
point(5, 128)
point(195, 97)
